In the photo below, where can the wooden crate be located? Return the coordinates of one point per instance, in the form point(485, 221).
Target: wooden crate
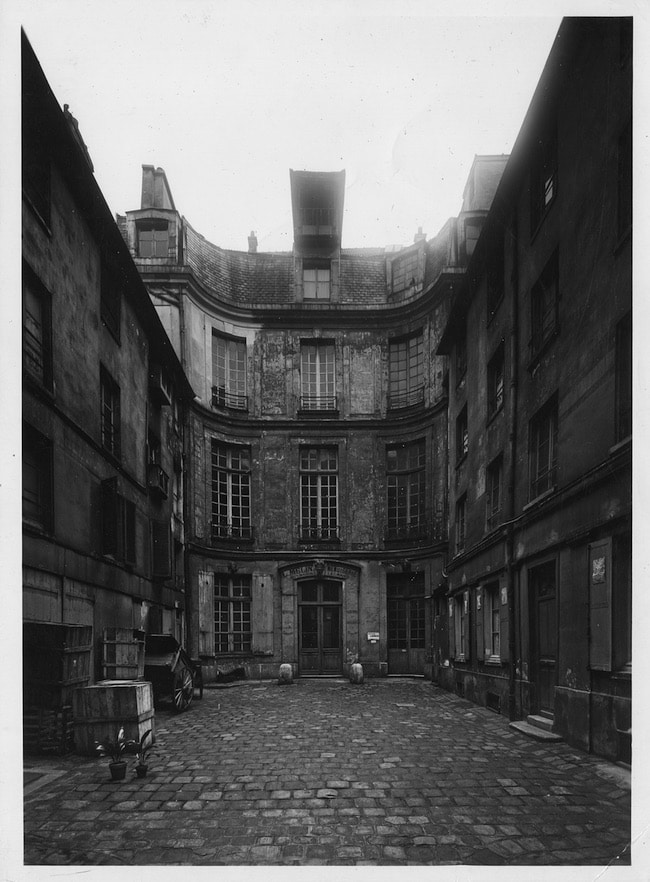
point(57, 659)
point(122, 654)
point(47, 731)
point(101, 709)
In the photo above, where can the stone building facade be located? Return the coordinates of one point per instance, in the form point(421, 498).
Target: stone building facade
point(103, 401)
point(535, 615)
point(317, 490)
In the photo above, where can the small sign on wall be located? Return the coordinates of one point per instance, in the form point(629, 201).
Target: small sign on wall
point(373, 636)
point(598, 570)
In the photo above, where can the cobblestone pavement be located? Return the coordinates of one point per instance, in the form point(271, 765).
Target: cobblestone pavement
point(323, 772)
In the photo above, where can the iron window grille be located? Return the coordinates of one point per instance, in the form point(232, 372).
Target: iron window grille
point(110, 413)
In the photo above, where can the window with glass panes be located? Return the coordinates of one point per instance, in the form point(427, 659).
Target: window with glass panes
point(232, 613)
point(542, 449)
point(543, 176)
point(110, 413)
point(317, 376)
point(462, 435)
point(153, 239)
point(229, 372)
point(492, 620)
point(318, 493)
point(316, 282)
point(231, 491)
point(405, 482)
point(37, 478)
point(461, 511)
point(406, 372)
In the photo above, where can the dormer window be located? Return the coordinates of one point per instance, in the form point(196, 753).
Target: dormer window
point(316, 279)
point(404, 271)
point(153, 239)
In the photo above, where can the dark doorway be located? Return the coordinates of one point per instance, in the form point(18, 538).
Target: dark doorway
point(320, 617)
point(406, 618)
point(543, 609)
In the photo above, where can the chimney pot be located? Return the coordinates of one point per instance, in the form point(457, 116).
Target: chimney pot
point(252, 243)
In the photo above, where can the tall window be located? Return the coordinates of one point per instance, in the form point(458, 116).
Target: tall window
point(461, 626)
point(232, 613)
point(37, 479)
point(624, 378)
point(543, 177)
point(544, 306)
point(317, 376)
point(405, 480)
point(461, 357)
point(625, 180)
point(110, 413)
point(229, 372)
point(406, 372)
point(542, 449)
point(495, 382)
point(118, 523)
point(493, 493)
point(461, 525)
point(231, 491)
point(318, 493)
point(36, 329)
point(153, 239)
point(316, 279)
point(462, 436)
point(492, 621)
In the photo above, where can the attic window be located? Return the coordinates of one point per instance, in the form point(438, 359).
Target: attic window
point(316, 277)
point(404, 271)
point(153, 239)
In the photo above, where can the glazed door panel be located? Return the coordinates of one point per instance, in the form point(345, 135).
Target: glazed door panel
point(406, 635)
point(320, 628)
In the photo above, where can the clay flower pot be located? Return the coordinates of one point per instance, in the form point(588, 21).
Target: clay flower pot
point(118, 770)
point(141, 770)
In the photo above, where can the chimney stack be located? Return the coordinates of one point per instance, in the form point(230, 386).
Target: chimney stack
point(252, 243)
point(419, 236)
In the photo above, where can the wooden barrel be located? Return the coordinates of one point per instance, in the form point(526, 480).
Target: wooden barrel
point(101, 709)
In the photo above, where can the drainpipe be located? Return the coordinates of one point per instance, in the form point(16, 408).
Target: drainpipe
point(510, 550)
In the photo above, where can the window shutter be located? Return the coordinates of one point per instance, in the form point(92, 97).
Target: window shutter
point(503, 624)
point(600, 606)
point(262, 596)
point(451, 627)
point(206, 613)
point(160, 548)
point(109, 516)
point(480, 626)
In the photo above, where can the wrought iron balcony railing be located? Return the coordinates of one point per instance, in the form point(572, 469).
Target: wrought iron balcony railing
point(241, 532)
point(318, 402)
point(223, 398)
point(312, 533)
point(399, 400)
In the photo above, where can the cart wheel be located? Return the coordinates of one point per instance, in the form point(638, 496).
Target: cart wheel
point(183, 689)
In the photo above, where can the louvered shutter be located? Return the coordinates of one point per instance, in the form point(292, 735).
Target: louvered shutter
point(206, 613)
point(262, 596)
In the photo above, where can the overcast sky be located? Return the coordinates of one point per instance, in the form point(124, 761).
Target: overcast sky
point(227, 97)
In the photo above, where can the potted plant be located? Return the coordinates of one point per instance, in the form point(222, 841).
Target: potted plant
point(114, 749)
point(141, 751)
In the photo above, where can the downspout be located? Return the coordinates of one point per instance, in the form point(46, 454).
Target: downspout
point(511, 569)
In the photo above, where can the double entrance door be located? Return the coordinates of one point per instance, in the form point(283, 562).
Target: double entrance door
point(320, 626)
point(406, 623)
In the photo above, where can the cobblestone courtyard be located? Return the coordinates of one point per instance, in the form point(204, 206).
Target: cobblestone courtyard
point(322, 772)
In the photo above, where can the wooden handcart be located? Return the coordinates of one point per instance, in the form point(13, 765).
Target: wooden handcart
point(171, 671)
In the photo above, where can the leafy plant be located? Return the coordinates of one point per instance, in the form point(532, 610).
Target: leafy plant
point(140, 748)
point(114, 748)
